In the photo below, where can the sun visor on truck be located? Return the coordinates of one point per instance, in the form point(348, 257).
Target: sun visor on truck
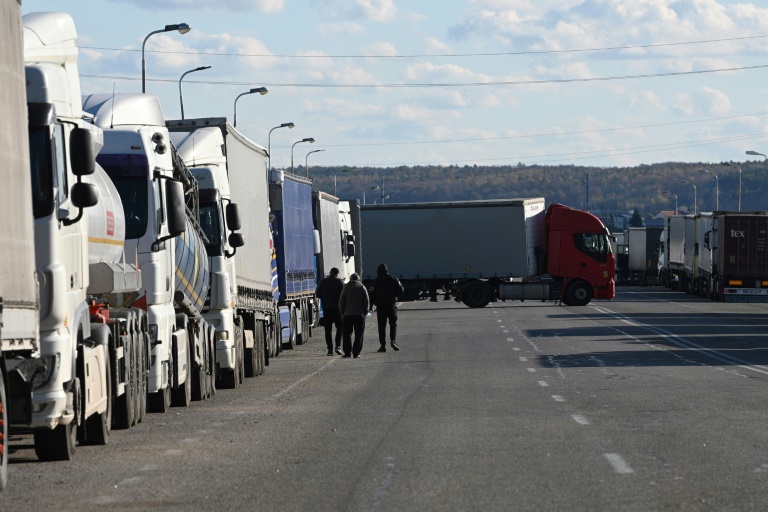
point(41, 114)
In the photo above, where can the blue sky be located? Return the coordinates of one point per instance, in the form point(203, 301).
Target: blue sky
point(486, 82)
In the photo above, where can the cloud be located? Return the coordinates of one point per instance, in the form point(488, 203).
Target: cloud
point(717, 102)
point(370, 10)
point(207, 5)
point(435, 45)
point(346, 27)
point(380, 48)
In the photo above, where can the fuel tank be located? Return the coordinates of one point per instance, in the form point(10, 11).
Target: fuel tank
point(106, 221)
point(192, 272)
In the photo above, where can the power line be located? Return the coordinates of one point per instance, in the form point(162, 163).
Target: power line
point(438, 55)
point(445, 84)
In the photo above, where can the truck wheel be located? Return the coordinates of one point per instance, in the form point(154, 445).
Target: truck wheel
point(159, 401)
point(251, 358)
point(199, 384)
point(143, 344)
point(59, 443)
point(267, 344)
point(258, 343)
point(579, 293)
point(477, 295)
point(98, 426)
point(291, 344)
point(124, 404)
point(3, 432)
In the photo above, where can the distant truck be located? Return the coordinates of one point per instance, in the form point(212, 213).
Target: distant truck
point(19, 300)
point(232, 174)
point(671, 249)
point(351, 228)
point(643, 255)
point(484, 251)
point(296, 245)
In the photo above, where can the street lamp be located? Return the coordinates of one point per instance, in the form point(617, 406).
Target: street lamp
point(269, 142)
point(670, 193)
point(260, 90)
point(306, 163)
point(755, 153)
point(334, 184)
point(381, 190)
point(738, 169)
point(308, 139)
point(717, 188)
point(181, 98)
point(694, 193)
point(183, 28)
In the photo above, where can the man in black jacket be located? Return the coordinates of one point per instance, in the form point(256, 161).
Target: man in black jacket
point(329, 291)
point(385, 291)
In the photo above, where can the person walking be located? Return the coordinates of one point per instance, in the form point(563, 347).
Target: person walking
point(385, 291)
point(329, 292)
point(354, 305)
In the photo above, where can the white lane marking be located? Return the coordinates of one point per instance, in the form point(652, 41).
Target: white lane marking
point(558, 398)
point(523, 358)
point(499, 320)
point(618, 464)
point(531, 370)
point(686, 343)
point(510, 339)
point(580, 419)
point(129, 481)
point(385, 484)
point(505, 331)
point(516, 349)
point(629, 323)
point(543, 384)
point(303, 379)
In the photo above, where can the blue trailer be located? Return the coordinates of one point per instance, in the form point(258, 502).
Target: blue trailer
point(296, 244)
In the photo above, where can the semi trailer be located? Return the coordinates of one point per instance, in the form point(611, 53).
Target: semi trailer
point(484, 251)
point(232, 173)
point(642, 254)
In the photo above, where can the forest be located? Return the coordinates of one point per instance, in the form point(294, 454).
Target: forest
point(639, 188)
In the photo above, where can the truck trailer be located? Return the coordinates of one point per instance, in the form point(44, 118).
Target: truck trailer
point(642, 254)
point(232, 173)
point(484, 251)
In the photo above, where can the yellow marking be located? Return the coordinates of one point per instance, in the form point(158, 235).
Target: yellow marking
point(189, 288)
point(109, 241)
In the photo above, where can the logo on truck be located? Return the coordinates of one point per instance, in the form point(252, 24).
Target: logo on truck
point(738, 234)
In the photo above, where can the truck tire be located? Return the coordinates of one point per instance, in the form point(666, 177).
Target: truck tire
point(251, 358)
point(291, 343)
point(3, 430)
point(59, 443)
point(579, 293)
point(210, 374)
point(143, 375)
point(125, 403)
point(258, 343)
point(159, 401)
point(477, 294)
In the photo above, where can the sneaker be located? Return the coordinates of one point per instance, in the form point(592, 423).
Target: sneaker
point(394, 345)
point(338, 351)
point(382, 349)
point(330, 352)
point(346, 356)
point(357, 356)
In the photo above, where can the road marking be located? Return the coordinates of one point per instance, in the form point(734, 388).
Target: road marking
point(505, 331)
point(303, 379)
point(516, 349)
point(618, 464)
point(558, 398)
point(543, 384)
point(385, 484)
point(499, 320)
point(510, 339)
point(531, 370)
point(522, 358)
point(580, 419)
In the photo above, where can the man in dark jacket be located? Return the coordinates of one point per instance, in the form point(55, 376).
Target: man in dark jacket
point(329, 292)
point(385, 291)
point(354, 307)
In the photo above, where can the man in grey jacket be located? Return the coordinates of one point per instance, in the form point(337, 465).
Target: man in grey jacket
point(353, 305)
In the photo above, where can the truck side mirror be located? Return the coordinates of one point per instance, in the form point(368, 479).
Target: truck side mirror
point(233, 217)
point(236, 240)
point(81, 152)
point(318, 245)
point(84, 195)
point(176, 208)
point(350, 238)
point(350, 250)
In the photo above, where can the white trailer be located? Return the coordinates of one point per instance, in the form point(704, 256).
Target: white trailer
point(19, 304)
point(349, 223)
point(690, 256)
point(705, 254)
point(232, 173)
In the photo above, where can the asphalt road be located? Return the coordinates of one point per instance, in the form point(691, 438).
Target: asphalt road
point(653, 401)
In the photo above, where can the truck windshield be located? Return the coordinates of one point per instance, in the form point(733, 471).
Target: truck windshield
point(594, 245)
point(209, 221)
point(130, 174)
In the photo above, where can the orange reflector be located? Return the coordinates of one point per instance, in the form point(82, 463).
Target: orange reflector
point(735, 283)
point(764, 283)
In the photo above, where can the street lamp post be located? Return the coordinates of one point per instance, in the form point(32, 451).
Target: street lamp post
point(269, 142)
point(306, 163)
point(738, 169)
point(670, 193)
point(694, 193)
point(261, 90)
point(755, 153)
point(181, 98)
point(308, 139)
point(380, 188)
point(183, 28)
point(717, 188)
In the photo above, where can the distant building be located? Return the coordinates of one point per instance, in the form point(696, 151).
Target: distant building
point(615, 220)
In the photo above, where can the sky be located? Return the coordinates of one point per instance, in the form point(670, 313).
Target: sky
point(609, 83)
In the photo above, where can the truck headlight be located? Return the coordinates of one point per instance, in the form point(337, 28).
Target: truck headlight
point(47, 372)
point(153, 331)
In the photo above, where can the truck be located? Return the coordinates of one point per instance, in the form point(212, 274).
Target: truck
point(161, 203)
point(296, 245)
point(232, 173)
point(738, 242)
point(671, 245)
point(92, 352)
point(690, 254)
point(351, 236)
point(19, 300)
point(484, 251)
point(643, 255)
point(704, 254)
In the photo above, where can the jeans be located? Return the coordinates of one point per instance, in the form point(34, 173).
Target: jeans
point(331, 317)
point(356, 323)
point(384, 313)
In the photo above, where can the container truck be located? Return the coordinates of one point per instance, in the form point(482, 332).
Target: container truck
point(232, 173)
point(19, 301)
point(687, 279)
point(483, 251)
point(296, 245)
point(92, 352)
point(160, 199)
point(671, 244)
point(704, 255)
point(643, 255)
point(349, 221)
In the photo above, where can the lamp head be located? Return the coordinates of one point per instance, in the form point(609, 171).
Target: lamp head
point(308, 139)
point(753, 153)
point(260, 90)
point(287, 125)
point(202, 68)
point(183, 28)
